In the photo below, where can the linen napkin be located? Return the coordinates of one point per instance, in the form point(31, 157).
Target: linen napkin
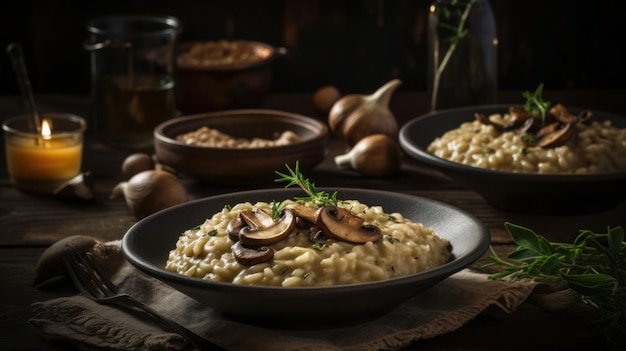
point(440, 309)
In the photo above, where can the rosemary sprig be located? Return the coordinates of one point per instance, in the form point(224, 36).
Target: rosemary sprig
point(594, 266)
point(318, 198)
point(535, 104)
point(277, 208)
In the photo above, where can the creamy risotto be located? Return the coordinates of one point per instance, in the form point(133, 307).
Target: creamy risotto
point(405, 247)
point(595, 147)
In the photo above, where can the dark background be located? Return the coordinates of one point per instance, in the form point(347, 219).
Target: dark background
point(356, 45)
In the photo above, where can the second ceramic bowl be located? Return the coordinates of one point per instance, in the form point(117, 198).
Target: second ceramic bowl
point(241, 165)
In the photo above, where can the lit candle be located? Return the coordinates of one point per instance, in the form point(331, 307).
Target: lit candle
point(43, 162)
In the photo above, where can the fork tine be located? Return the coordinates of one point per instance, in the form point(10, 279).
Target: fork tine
point(74, 271)
point(104, 284)
point(81, 277)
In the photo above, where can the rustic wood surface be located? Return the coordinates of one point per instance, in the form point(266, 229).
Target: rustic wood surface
point(30, 223)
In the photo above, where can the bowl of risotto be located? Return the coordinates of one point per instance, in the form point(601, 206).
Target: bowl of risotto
point(576, 166)
point(309, 279)
point(240, 147)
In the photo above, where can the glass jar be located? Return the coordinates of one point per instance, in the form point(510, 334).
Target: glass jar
point(462, 54)
point(133, 69)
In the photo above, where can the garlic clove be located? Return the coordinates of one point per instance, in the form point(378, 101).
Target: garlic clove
point(376, 155)
point(151, 191)
point(356, 116)
point(135, 163)
point(325, 97)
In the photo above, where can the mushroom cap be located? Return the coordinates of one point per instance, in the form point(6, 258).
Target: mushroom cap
point(257, 218)
point(234, 227)
point(562, 114)
point(343, 225)
point(269, 235)
point(557, 137)
point(249, 256)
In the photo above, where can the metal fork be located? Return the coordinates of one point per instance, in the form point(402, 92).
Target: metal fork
point(93, 284)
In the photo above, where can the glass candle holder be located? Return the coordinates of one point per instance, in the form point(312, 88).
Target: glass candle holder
point(40, 160)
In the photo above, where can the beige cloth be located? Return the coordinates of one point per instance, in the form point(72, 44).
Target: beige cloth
point(90, 326)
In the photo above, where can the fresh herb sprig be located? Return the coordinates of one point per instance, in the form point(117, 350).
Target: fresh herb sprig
point(593, 265)
point(277, 208)
point(535, 104)
point(318, 198)
point(458, 32)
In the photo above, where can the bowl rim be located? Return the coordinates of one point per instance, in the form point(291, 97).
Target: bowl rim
point(274, 53)
point(479, 246)
point(419, 152)
point(320, 129)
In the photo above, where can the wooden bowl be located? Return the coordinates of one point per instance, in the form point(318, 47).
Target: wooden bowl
point(218, 82)
point(241, 165)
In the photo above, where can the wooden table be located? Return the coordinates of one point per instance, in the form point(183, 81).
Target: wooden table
point(29, 224)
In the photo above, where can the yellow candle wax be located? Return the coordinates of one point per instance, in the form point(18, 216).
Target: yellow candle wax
point(44, 159)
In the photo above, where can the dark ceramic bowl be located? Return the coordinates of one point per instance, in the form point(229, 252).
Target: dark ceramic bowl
point(241, 165)
point(205, 86)
point(534, 193)
point(147, 244)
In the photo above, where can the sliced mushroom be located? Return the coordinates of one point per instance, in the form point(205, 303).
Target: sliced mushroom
point(519, 114)
point(561, 114)
point(519, 118)
point(304, 212)
point(556, 138)
point(482, 118)
point(586, 116)
point(349, 218)
point(254, 219)
point(249, 256)
point(271, 234)
point(548, 129)
point(257, 219)
point(234, 227)
point(529, 126)
point(340, 224)
point(316, 235)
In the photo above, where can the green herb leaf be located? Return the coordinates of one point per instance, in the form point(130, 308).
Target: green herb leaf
point(277, 208)
point(319, 247)
point(593, 265)
point(294, 177)
point(530, 244)
point(616, 240)
point(535, 104)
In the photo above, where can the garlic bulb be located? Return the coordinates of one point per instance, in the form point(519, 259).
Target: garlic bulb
point(325, 97)
point(376, 155)
point(356, 116)
point(150, 191)
point(135, 163)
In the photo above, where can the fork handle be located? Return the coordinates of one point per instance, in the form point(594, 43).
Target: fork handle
point(194, 339)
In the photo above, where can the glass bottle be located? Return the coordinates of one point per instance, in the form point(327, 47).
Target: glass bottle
point(462, 49)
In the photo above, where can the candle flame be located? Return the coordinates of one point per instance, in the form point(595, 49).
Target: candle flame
point(45, 129)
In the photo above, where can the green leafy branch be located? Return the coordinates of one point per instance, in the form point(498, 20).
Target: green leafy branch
point(594, 266)
point(459, 32)
point(535, 104)
point(318, 198)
